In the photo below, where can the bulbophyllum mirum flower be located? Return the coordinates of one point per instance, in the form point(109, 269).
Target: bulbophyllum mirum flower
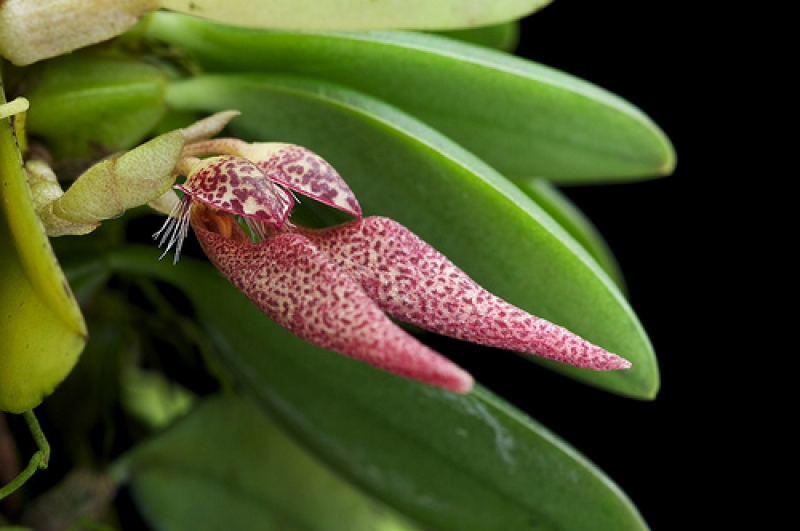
point(335, 287)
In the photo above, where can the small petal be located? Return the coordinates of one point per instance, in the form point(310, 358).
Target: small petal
point(304, 291)
point(295, 167)
point(238, 186)
point(413, 282)
point(303, 171)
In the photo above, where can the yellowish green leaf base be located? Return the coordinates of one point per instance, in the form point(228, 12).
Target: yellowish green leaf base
point(42, 331)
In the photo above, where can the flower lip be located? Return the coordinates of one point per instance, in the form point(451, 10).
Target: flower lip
point(305, 291)
point(414, 283)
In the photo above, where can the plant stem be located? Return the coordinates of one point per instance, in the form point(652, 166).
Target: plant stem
point(39, 459)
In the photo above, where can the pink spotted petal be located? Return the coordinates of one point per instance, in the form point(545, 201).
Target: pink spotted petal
point(238, 186)
point(413, 282)
point(295, 167)
point(304, 291)
point(300, 169)
point(305, 172)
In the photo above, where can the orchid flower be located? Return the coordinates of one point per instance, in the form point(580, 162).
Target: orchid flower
point(337, 287)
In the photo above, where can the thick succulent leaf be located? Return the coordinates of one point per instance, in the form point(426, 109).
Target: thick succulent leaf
point(401, 169)
point(42, 331)
point(227, 466)
point(89, 101)
point(575, 222)
point(357, 14)
point(523, 118)
point(466, 462)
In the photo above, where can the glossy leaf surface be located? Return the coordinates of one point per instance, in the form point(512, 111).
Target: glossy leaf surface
point(399, 168)
point(467, 462)
point(42, 331)
point(563, 211)
point(227, 466)
point(524, 119)
point(357, 14)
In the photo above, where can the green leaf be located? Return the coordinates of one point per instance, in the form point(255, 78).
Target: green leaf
point(42, 331)
point(227, 466)
point(466, 462)
point(402, 169)
point(566, 214)
point(524, 119)
point(357, 14)
point(90, 102)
